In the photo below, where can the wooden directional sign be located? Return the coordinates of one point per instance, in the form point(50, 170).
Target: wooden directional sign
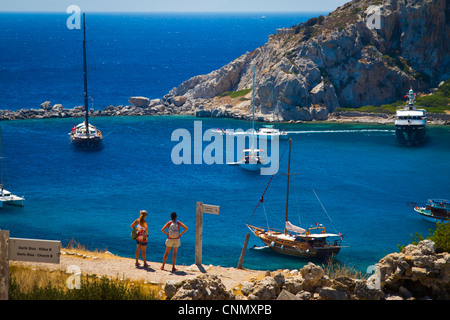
point(34, 250)
point(207, 208)
point(201, 208)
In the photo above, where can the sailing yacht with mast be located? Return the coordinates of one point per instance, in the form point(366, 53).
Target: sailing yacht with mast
point(296, 241)
point(252, 159)
point(85, 134)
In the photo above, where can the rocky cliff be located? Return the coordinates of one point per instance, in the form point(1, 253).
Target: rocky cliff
point(367, 52)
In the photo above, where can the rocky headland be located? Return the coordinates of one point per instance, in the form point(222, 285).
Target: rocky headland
point(341, 60)
point(366, 52)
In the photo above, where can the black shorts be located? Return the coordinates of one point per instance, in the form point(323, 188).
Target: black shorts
point(141, 243)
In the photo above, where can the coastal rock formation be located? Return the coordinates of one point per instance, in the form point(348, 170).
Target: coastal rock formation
point(416, 273)
point(366, 52)
point(203, 287)
point(141, 102)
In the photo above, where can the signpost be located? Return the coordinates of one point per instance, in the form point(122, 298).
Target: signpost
point(32, 250)
point(202, 208)
point(4, 264)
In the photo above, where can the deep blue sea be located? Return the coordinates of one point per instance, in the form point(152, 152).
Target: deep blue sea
point(128, 54)
point(361, 176)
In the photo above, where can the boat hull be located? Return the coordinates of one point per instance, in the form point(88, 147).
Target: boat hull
point(411, 134)
point(430, 217)
point(288, 246)
point(87, 143)
point(273, 136)
point(320, 253)
point(251, 166)
point(12, 200)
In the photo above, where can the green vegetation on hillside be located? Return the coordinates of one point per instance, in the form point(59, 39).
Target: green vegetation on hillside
point(438, 102)
point(236, 94)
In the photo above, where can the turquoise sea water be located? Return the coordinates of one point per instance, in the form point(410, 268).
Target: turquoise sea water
point(362, 177)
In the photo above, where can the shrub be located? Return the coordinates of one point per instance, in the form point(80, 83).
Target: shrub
point(235, 94)
point(440, 236)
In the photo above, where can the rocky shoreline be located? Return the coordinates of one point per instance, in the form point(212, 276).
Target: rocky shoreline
point(202, 108)
point(417, 273)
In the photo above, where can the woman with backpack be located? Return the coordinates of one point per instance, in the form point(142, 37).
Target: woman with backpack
point(173, 239)
point(141, 237)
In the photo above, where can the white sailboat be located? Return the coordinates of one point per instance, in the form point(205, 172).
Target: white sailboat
point(252, 159)
point(85, 135)
point(6, 197)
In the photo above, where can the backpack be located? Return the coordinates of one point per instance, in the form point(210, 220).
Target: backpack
point(133, 234)
point(174, 230)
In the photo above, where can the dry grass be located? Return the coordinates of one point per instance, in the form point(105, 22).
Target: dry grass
point(77, 249)
point(338, 270)
point(28, 279)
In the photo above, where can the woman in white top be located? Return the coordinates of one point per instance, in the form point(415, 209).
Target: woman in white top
point(141, 238)
point(173, 239)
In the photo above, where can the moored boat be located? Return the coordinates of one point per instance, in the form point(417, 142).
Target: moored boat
point(6, 197)
point(85, 135)
point(252, 158)
point(269, 132)
point(411, 123)
point(296, 241)
point(436, 210)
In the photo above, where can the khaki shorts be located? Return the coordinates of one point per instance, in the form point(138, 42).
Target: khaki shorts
point(175, 243)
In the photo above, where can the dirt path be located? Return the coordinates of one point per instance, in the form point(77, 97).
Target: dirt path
point(124, 268)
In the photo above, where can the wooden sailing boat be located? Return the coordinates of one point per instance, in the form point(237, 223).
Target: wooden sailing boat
point(85, 134)
point(252, 159)
point(296, 241)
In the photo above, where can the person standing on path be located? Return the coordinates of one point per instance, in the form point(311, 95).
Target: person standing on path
point(173, 239)
point(141, 238)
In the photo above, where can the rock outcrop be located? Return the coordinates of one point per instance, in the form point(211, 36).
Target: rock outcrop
point(416, 273)
point(337, 60)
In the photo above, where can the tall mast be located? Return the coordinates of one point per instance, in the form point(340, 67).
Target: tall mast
point(252, 146)
point(287, 191)
point(1, 160)
point(86, 108)
point(273, 101)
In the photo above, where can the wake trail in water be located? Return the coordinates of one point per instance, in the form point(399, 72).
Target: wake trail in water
point(340, 131)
